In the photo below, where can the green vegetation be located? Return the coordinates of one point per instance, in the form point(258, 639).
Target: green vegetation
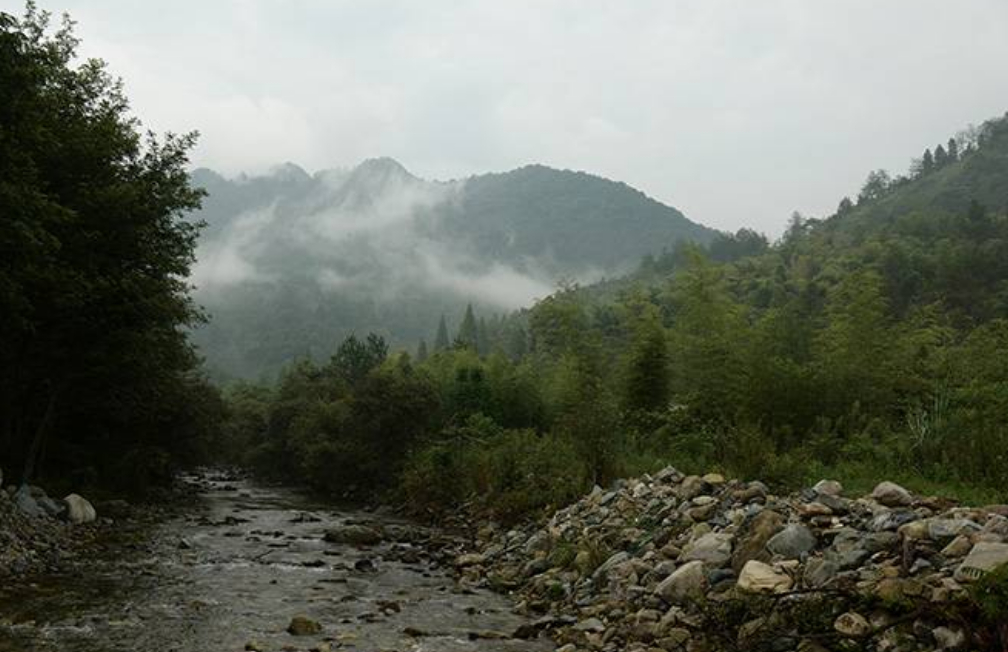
point(98, 383)
point(853, 349)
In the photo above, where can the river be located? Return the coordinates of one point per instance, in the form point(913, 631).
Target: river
point(230, 575)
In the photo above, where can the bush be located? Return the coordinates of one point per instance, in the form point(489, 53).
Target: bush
point(510, 473)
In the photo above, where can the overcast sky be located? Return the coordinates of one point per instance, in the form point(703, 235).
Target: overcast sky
point(736, 112)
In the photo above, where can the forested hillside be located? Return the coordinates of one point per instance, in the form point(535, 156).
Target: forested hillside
point(862, 345)
point(291, 263)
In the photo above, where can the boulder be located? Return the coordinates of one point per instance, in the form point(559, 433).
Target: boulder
point(985, 556)
point(714, 548)
point(687, 583)
point(891, 494)
point(828, 487)
point(27, 503)
point(357, 535)
point(757, 577)
point(79, 510)
point(793, 542)
point(303, 626)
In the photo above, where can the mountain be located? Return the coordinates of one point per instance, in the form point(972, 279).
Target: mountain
point(289, 263)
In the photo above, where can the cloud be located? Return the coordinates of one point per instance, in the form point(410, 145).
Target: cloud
point(363, 233)
point(737, 112)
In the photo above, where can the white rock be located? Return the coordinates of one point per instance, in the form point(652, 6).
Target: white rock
point(79, 510)
point(757, 577)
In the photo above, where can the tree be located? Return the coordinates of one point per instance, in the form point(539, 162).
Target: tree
point(421, 353)
point(953, 150)
point(354, 358)
point(95, 371)
point(875, 185)
point(646, 367)
point(941, 157)
point(845, 206)
point(441, 339)
point(468, 333)
point(927, 162)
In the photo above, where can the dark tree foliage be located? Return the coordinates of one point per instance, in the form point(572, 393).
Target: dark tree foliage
point(355, 358)
point(96, 375)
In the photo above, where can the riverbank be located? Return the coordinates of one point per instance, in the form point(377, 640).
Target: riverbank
point(264, 568)
point(39, 535)
point(688, 563)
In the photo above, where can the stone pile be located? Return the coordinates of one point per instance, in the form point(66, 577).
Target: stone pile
point(674, 562)
point(38, 533)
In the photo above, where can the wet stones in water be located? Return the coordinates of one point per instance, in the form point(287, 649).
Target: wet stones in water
point(365, 566)
point(358, 535)
point(303, 626)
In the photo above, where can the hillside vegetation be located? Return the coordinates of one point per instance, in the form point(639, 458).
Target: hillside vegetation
point(859, 346)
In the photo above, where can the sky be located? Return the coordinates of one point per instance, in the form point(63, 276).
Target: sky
point(736, 112)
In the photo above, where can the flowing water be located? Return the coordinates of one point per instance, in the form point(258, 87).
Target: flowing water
point(236, 572)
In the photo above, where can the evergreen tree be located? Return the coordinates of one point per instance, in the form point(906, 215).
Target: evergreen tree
point(941, 157)
point(953, 150)
point(845, 206)
point(421, 353)
point(927, 162)
point(441, 339)
point(468, 333)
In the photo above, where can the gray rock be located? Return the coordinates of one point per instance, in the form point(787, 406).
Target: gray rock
point(985, 556)
point(949, 528)
point(610, 563)
point(793, 542)
point(891, 494)
point(687, 583)
point(892, 520)
point(27, 503)
point(820, 572)
point(714, 548)
point(828, 488)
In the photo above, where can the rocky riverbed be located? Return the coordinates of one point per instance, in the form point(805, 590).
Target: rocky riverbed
point(258, 568)
point(688, 563)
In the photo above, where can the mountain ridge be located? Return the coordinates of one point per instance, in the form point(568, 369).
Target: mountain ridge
point(377, 248)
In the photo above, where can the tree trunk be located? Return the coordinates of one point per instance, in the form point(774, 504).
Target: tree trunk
point(38, 439)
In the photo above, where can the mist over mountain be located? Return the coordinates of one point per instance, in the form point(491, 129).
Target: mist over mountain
point(290, 263)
